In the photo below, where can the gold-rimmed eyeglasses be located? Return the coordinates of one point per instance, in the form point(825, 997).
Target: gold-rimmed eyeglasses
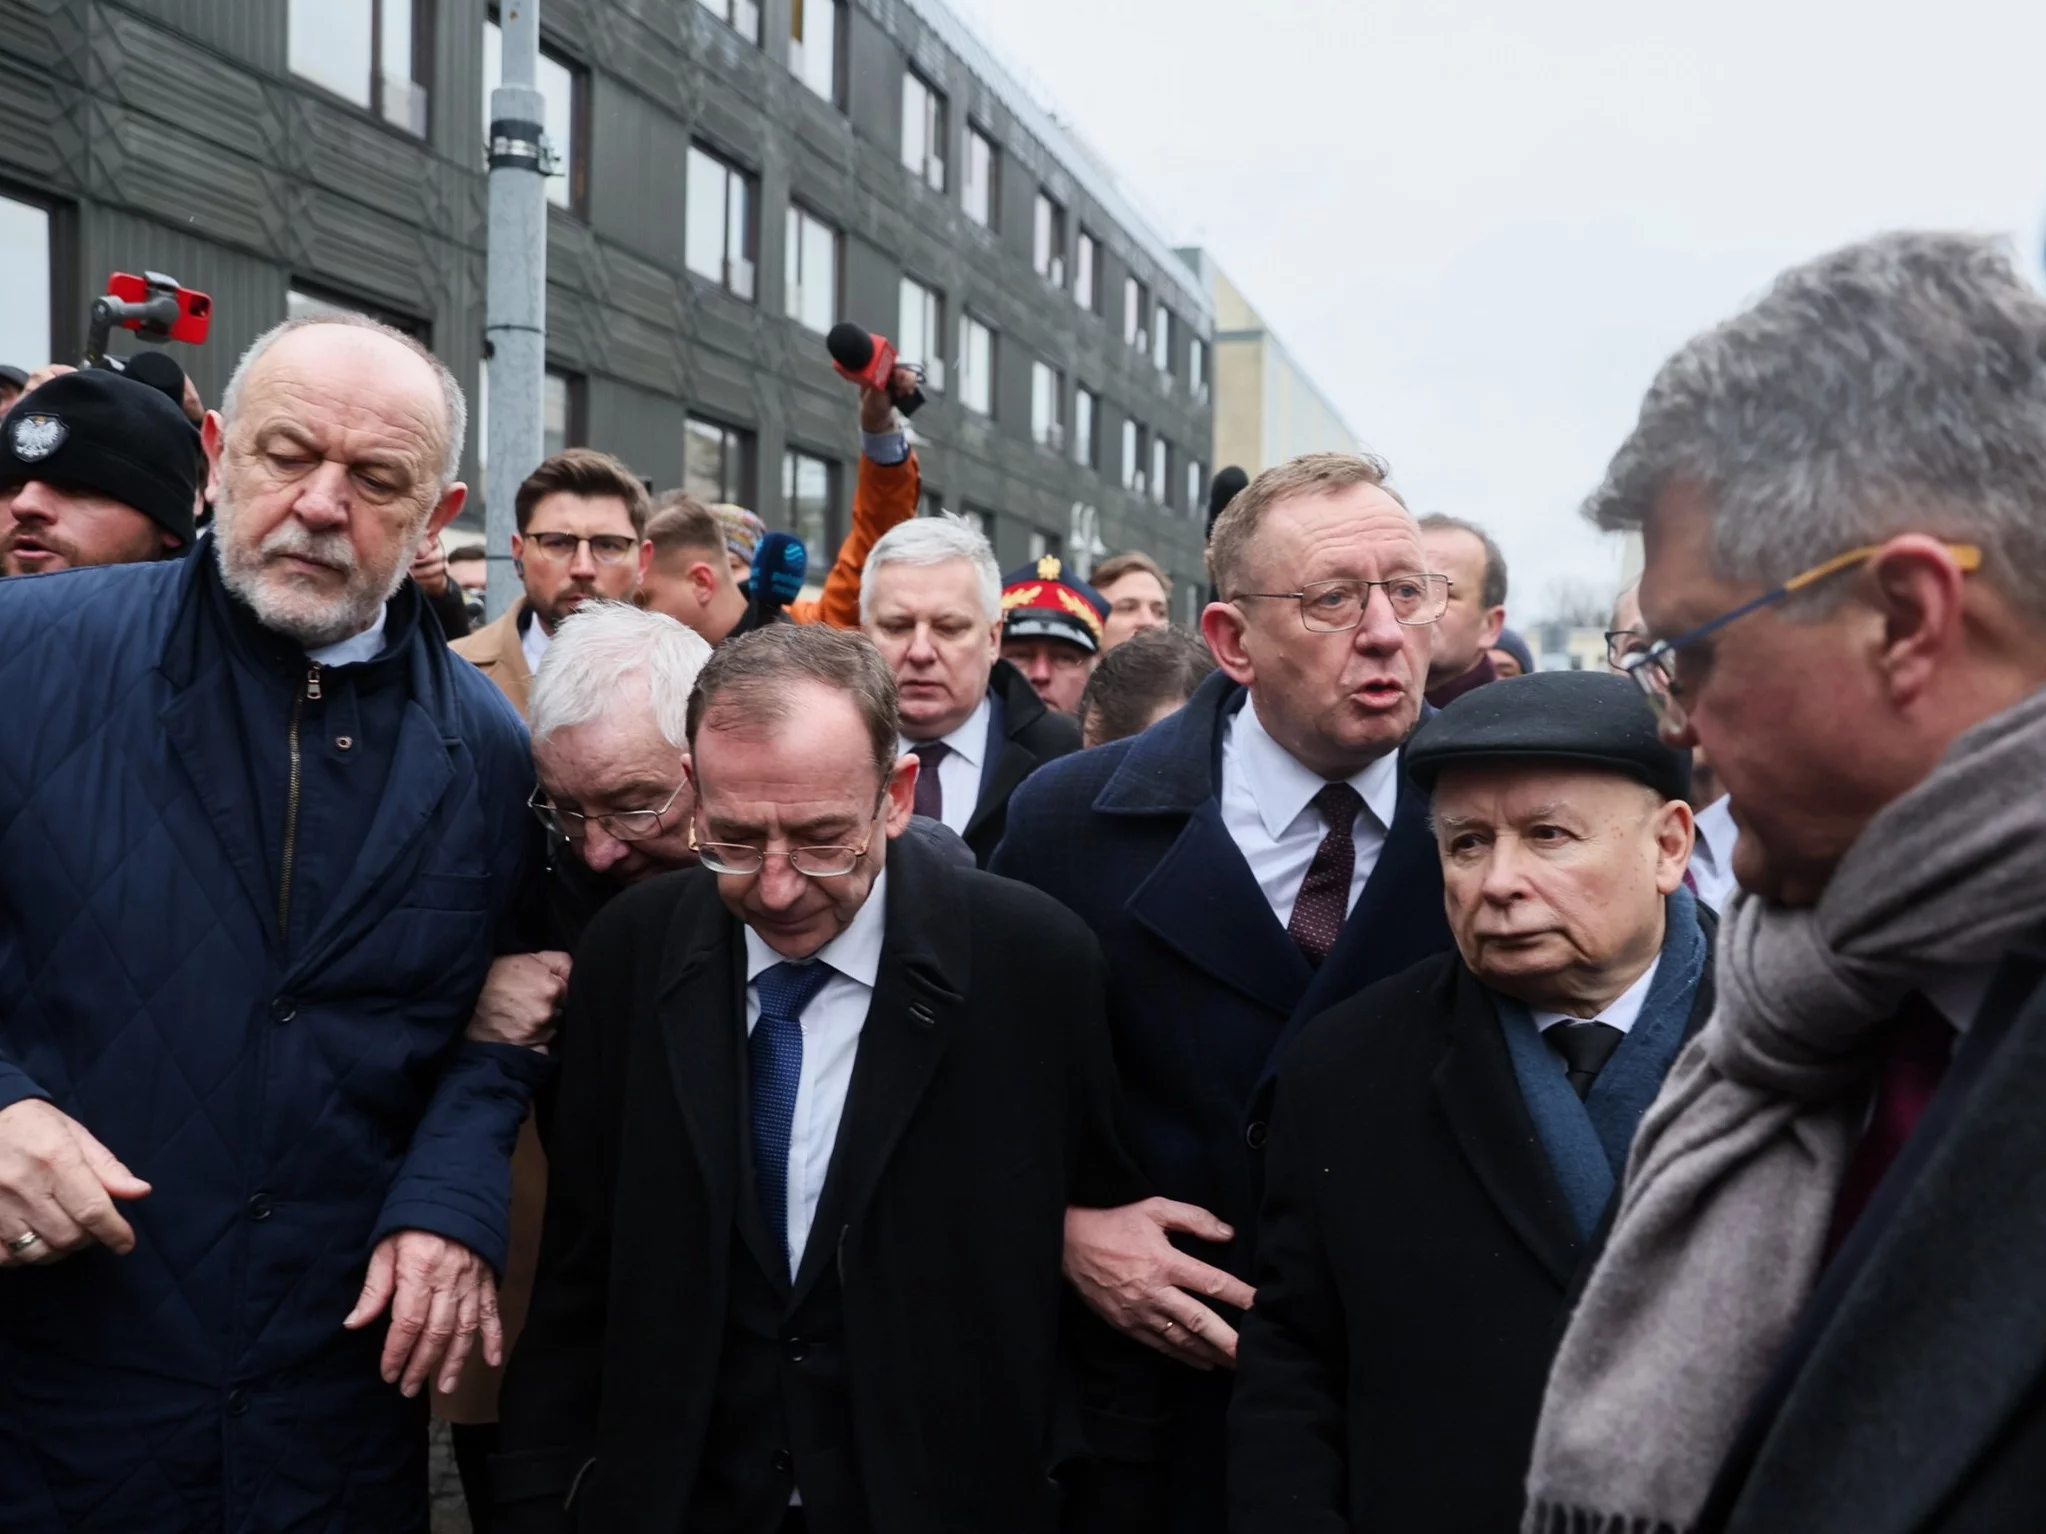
point(620, 825)
point(814, 862)
point(1335, 607)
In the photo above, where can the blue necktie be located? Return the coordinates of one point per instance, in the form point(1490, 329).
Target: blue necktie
point(775, 1056)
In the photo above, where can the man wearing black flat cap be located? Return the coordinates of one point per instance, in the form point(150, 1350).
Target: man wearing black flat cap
point(95, 469)
point(1445, 1144)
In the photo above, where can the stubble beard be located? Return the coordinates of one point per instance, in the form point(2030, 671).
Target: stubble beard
point(290, 605)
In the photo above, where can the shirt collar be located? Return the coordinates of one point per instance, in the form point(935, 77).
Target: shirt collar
point(1625, 1008)
point(534, 639)
point(367, 645)
point(1716, 832)
point(855, 953)
point(1282, 787)
point(969, 741)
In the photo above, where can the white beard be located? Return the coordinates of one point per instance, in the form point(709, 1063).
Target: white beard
point(289, 604)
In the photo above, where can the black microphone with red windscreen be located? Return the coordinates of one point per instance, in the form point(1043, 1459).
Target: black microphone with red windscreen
point(869, 359)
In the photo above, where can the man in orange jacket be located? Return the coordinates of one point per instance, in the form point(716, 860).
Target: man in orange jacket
point(691, 581)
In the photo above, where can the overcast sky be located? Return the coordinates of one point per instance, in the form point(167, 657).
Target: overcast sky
point(1482, 226)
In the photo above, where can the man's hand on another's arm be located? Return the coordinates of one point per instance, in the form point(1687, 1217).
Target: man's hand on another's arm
point(1134, 1277)
point(521, 1000)
point(59, 1182)
point(441, 1296)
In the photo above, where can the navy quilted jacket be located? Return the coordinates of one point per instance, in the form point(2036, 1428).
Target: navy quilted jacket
point(291, 1100)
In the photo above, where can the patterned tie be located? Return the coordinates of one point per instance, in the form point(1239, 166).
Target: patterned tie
point(1921, 1048)
point(774, 1055)
point(1585, 1048)
point(930, 794)
point(1325, 893)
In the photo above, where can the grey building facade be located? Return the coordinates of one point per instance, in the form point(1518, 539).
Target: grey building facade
point(735, 179)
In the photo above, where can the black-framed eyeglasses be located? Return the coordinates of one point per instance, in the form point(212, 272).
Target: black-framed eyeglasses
point(1653, 667)
point(1621, 643)
point(560, 548)
point(620, 825)
point(813, 862)
point(1335, 607)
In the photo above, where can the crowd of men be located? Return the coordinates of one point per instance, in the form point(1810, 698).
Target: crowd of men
point(956, 1051)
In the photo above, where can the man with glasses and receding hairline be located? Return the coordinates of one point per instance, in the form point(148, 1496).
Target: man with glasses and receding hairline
point(1247, 863)
point(823, 1103)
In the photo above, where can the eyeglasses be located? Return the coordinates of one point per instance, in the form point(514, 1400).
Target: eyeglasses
point(1335, 607)
point(560, 548)
point(621, 825)
point(1654, 668)
point(814, 862)
point(1621, 643)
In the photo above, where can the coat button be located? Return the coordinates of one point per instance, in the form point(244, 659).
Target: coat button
point(282, 1009)
point(784, 1462)
point(798, 1350)
point(259, 1207)
point(237, 1402)
point(1256, 1135)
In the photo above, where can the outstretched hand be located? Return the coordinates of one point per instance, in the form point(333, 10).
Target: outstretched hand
point(441, 1296)
point(1140, 1283)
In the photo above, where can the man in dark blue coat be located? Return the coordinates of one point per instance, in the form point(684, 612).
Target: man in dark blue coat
point(1247, 863)
point(258, 834)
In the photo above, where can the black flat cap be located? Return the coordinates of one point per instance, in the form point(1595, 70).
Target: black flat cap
point(1592, 718)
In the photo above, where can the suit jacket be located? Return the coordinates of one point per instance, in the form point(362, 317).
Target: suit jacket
point(1417, 1255)
point(494, 649)
point(980, 1106)
point(1022, 736)
point(1913, 1393)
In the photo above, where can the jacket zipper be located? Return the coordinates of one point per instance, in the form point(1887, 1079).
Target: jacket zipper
point(308, 693)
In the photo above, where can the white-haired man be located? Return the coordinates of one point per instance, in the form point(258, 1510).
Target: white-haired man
point(260, 834)
point(931, 600)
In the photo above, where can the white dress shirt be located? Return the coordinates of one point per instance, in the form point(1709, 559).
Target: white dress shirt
point(1621, 1014)
point(1712, 853)
point(831, 1042)
point(367, 645)
point(1268, 810)
point(534, 641)
point(959, 773)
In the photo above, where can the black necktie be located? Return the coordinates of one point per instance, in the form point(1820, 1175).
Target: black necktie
point(930, 798)
point(1585, 1048)
point(1323, 903)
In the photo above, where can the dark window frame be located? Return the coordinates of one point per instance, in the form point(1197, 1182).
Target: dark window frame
point(739, 435)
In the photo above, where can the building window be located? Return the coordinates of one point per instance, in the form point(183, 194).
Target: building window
point(923, 129)
point(1132, 456)
point(1197, 366)
point(1086, 415)
point(742, 16)
point(933, 504)
point(26, 277)
point(983, 165)
point(370, 52)
point(717, 462)
point(1161, 338)
point(811, 266)
point(808, 491)
point(1048, 237)
point(1043, 543)
point(976, 365)
point(719, 237)
point(1160, 481)
point(1047, 406)
point(1196, 485)
point(564, 88)
point(815, 30)
point(561, 412)
point(1133, 298)
point(920, 330)
point(1086, 262)
point(303, 300)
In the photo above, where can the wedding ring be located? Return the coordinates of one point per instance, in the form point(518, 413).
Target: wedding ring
point(22, 1242)
point(1168, 1327)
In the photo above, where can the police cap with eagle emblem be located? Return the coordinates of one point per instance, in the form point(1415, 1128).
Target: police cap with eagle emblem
point(98, 432)
point(1042, 601)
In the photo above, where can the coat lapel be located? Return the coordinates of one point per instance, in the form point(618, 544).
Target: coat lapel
point(1480, 1096)
point(1008, 762)
point(919, 1002)
point(702, 1018)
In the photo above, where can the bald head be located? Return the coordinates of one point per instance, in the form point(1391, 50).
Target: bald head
point(381, 362)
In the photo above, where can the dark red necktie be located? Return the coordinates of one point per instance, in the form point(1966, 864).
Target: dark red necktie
point(1921, 1048)
point(930, 796)
point(1325, 893)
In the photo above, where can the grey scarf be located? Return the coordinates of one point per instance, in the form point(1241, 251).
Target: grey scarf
point(1730, 1186)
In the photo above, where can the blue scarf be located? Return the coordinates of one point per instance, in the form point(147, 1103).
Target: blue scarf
point(1587, 1141)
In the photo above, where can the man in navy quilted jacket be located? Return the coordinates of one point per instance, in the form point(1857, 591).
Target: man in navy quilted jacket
point(259, 831)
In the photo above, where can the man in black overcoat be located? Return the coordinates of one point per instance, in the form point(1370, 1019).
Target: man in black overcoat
point(1444, 1144)
point(823, 1104)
